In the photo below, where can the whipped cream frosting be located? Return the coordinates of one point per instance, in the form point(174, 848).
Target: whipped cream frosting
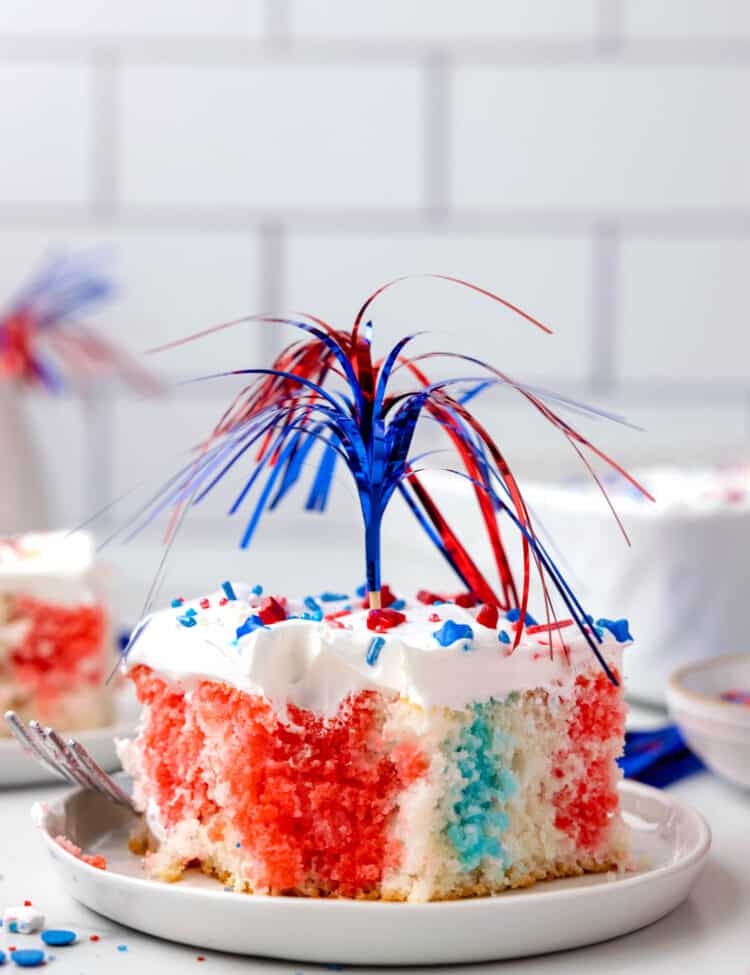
point(676, 490)
point(316, 663)
point(53, 566)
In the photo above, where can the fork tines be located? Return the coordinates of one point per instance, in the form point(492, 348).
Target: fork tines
point(66, 758)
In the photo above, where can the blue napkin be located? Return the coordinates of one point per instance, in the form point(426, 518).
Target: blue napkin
point(658, 758)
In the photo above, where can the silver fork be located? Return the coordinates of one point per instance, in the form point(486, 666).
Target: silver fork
point(66, 758)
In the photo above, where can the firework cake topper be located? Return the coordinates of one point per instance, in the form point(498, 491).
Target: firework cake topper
point(326, 396)
point(42, 340)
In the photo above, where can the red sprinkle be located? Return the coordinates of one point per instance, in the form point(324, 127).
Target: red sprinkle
point(465, 599)
point(223, 601)
point(546, 627)
point(271, 611)
point(429, 598)
point(27, 903)
point(386, 598)
point(330, 617)
point(204, 603)
point(433, 618)
point(382, 620)
point(201, 958)
point(488, 616)
point(94, 937)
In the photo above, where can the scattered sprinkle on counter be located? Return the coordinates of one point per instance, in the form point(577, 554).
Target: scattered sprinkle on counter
point(28, 957)
point(122, 947)
point(58, 937)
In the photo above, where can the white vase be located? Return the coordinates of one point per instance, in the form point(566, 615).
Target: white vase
point(22, 499)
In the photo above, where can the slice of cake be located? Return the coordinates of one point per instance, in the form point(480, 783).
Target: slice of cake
point(406, 753)
point(55, 641)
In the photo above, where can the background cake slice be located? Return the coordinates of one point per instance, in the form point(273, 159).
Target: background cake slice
point(55, 638)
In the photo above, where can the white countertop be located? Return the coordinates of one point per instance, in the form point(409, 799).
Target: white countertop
point(709, 932)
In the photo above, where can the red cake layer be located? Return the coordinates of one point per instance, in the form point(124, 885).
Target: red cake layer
point(63, 647)
point(309, 798)
point(585, 805)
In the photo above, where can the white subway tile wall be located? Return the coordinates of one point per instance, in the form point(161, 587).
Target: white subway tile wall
point(588, 160)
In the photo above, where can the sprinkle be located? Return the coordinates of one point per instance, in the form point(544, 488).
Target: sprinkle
point(330, 617)
point(452, 631)
point(257, 590)
point(332, 597)
point(361, 590)
point(238, 846)
point(228, 590)
point(251, 623)
point(93, 937)
point(433, 618)
point(223, 601)
point(382, 620)
point(177, 602)
point(186, 620)
point(514, 615)
point(548, 627)
point(271, 610)
point(201, 958)
point(57, 938)
point(503, 637)
point(465, 600)
point(429, 598)
point(27, 904)
point(205, 603)
point(122, 947)
point(619, 629)
point(488, 615)
point(27, 957)
point(376, 645)
point(398, 604)
point(191, 612)
point(314, 610)
point(2, 957)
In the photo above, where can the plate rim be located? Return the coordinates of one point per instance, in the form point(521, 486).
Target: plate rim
point(691, 859)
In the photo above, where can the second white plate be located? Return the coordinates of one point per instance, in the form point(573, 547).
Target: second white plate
point(670, 840)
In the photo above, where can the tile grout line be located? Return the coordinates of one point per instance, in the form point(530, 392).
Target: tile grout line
point(436, 137)
point(105, 125)
point(272, 282)
point(605, 260)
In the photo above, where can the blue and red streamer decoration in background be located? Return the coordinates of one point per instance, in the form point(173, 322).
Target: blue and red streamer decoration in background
point(326, 398)
point(43, 342)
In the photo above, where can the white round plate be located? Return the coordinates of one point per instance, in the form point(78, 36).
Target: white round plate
point(670, 843)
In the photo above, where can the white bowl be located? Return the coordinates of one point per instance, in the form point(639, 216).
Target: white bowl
point(718, 731)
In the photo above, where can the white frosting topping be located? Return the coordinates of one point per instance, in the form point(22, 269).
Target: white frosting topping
point(315, 664)
point(675, 490)
point(52, 566)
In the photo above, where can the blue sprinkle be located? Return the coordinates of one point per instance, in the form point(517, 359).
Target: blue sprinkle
point(376, 645)
point(466, 647)
point(348, 607)
point(251, 623)
point(332, 597)
point(619, 629)
point(513, 615)
point(361, 590)
point(191, 612)
point(2, 957)
point(177, 602)
point(13, 927)
point(503, 637)
point(28, 957)
point(316, 613)
point(228, 591)
point(58, 937)
point(398, 604)
point(187, 620)
point(122, 947)
point(257, 590)
point(451, 631)
point(238, 845)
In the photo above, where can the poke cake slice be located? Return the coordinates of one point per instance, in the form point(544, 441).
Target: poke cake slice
point(407, 753)
point(55, 640)
point(370, 747)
